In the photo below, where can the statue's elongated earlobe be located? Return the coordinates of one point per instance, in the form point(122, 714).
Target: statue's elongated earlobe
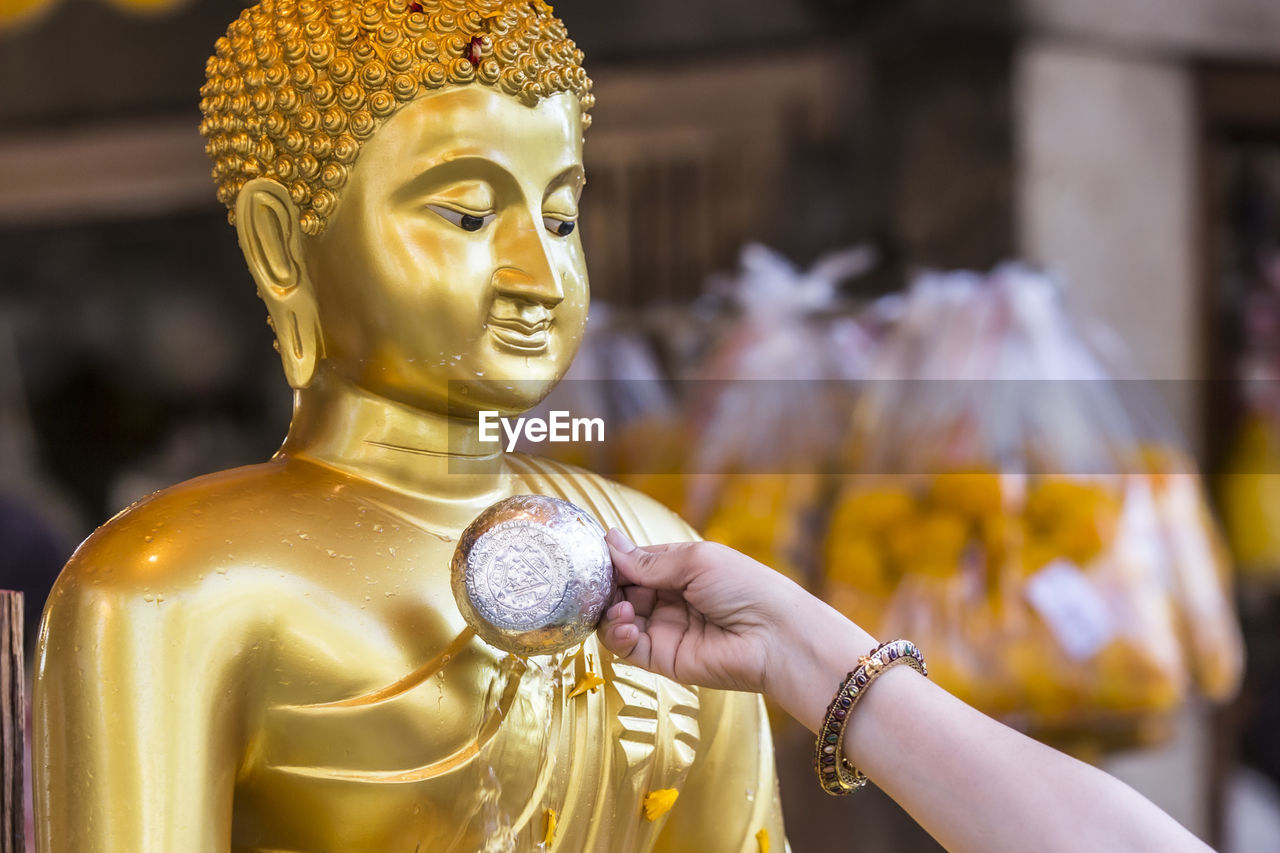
point(270, 237)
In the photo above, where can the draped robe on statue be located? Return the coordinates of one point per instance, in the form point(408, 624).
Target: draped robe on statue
point(329, 696)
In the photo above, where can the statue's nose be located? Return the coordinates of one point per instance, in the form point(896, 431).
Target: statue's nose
point(526, 270)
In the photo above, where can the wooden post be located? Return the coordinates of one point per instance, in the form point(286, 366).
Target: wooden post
point(12, 719)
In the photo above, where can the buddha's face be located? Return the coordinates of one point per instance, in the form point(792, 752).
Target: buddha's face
point(451, 278)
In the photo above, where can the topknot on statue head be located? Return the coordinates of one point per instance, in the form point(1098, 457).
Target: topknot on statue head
point(295, 87)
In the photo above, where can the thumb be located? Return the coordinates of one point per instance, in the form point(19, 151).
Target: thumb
point(667, 566)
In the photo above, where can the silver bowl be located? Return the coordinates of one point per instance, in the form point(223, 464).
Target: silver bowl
point(532, 575)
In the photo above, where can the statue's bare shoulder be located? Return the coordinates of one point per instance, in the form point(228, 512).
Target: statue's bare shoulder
point(176, 537)
point(285, 556)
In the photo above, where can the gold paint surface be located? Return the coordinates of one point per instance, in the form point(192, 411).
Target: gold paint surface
point(270, 658)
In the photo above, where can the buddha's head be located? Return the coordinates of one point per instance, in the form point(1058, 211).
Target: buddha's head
point(404, 179)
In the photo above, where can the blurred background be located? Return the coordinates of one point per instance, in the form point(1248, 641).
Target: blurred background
point(1129, 147)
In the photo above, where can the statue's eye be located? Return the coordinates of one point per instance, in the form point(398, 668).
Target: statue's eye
point(465, 221)
point(559, 227)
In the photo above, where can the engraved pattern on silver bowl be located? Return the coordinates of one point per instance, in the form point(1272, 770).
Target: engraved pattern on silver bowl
point(532, 575)
point(519, 575)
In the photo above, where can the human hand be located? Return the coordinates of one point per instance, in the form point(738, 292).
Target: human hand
point(705, 614)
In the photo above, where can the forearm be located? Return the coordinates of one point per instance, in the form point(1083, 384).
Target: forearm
point(972, 783)
point(977, 785)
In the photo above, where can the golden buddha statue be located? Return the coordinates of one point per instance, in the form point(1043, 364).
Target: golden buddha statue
point(270, 658)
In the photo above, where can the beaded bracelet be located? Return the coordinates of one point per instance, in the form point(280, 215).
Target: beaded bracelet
point(835, 774)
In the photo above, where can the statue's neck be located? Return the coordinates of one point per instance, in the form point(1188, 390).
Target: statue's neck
point(418, 453)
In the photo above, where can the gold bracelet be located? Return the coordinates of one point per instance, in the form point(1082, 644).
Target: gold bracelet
point(836, 774)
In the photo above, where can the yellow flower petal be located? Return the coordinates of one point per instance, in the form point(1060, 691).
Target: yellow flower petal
point(550, 832)
point(657, 803)
point(762, 839)
point(590, 681)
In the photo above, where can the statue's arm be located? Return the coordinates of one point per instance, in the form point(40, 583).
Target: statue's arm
point(731, 792)
point(138, 723)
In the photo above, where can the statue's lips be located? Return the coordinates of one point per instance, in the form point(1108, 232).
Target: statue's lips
point(525, 338)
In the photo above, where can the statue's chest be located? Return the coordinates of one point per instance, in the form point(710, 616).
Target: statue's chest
point(453, 744)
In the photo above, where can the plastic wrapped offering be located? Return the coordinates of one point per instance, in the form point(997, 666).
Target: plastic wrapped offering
point(768, 413)
point(1023, 517)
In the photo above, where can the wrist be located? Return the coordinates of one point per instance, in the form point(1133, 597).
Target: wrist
point(838, 771)
point(881, 710)
point(814, 648)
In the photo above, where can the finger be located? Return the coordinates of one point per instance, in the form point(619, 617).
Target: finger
point(642, 652)
point(622, 633)
point(668, 566)
point(621, 611)
point(641, 598)
point(617, 595)
point(616, 616)
point(625, 613)
point(619, 638)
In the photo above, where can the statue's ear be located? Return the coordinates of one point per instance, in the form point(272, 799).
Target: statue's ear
point(270, 237)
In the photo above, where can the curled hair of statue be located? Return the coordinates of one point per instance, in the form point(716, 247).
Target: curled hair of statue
point(296, 86)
